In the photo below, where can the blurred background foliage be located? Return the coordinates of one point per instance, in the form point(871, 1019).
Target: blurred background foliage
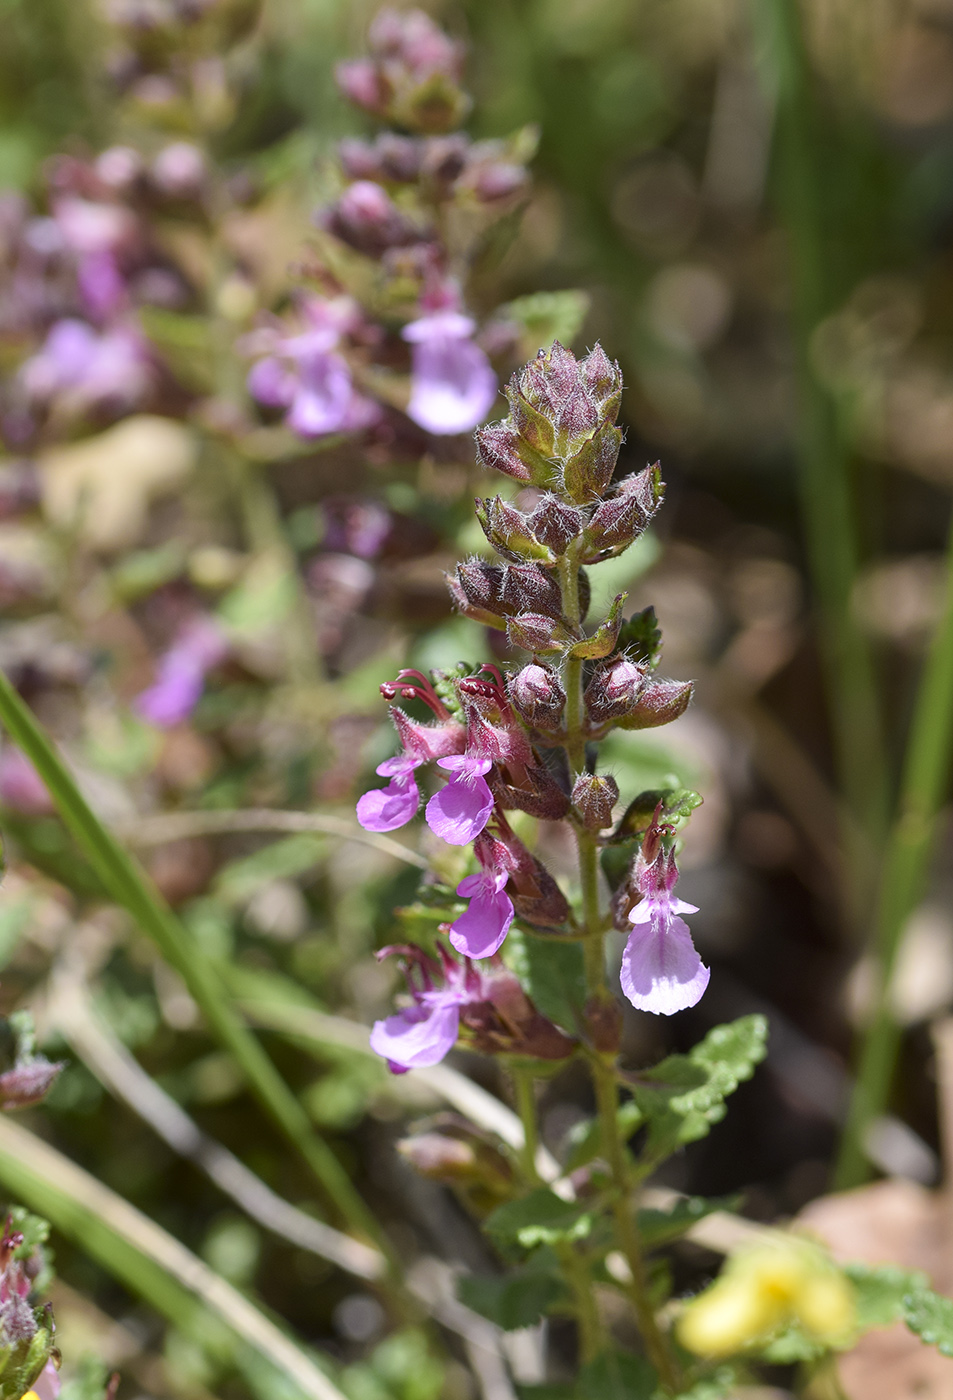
point(657, 192)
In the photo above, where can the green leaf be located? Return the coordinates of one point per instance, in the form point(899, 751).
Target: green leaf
point(879, 1292)
point(659, 1226)
point(930, 1316)
point(617, 1375)
point(685, 1094)
point(603, 639)
point(546, 316)
point(542, 1217)
point(586, 1138)
point(553, 974)
point(677, 805)
point(721, 1386)
point(641, 637)
point(518, 1299)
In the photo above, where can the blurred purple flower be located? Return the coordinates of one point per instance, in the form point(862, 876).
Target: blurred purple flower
point(453, 384)
point(460, 811)
point(181, 673)
point(661, 970)
point(87, 366)
point(96, 234)
point(301, 372)
point(47, 1384)
point(425, 1032)
point(21, 787)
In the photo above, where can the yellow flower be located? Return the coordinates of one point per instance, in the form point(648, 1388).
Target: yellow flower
point(764, 1289)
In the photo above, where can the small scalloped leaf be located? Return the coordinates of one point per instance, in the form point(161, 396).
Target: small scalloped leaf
point(930, 1316)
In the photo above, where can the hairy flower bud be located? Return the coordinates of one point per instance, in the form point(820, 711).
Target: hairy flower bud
point(593, 797)
point(615, 524)
point(536, 633)
point(500, 446)
point(481, 583)
point(509, 532)
point(467, 609)
point(555, 523)
point(589, 469)
point(602, 376)
point(537, 696)
point(659, 703)
point(528, 588)
point(614, 689)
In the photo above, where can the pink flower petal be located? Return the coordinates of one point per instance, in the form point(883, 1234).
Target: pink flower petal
point(418, 1037)
point(385, 809)
point(453, 385)
point(661, 971)
point(481, 929)
point(460, 811)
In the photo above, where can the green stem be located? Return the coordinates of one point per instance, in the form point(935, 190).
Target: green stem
point(574, 1265)
point(656, 1343)
point(130, 888)
point(923, 785)
point(524, 1092)
point(603, 1075)
point(826, 502)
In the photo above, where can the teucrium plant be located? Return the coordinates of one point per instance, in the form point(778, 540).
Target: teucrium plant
point(525, 975)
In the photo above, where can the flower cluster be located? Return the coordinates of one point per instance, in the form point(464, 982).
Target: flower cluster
point(338, 361)
point(527, 741)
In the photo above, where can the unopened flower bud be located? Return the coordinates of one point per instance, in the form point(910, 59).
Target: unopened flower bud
point(593, 797)
point(555, 523)
point(28, 1083)
point(453, 1152)
point(537, 696)
point(481, 584)
point(589, 470)
point(360, 83)
point(467, 609)
point(179, 170)
point(509, 531)
point(615, 524)
point(659, 703)
point(647, 487)
point(602, 376)
point(500, 446)
point(536, 633)
point(527, 588)
point(614, 689)
point(366, 218)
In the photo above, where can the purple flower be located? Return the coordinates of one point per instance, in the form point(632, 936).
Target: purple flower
point(96, 233)
point(425, 1032)
point(88, 367)
point(385, 809)
point(21, 787)
point(460, 811)
point(453, 384)
point(181, 674)
point(661, 971)
point(480, 931)
point(303, 374)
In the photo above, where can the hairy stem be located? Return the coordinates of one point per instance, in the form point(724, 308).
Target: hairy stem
point(656, 1343)
point(924, 783)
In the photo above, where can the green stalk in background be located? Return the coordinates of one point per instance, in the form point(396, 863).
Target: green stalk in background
point(924, 783)
point(129, 887)
point(827, 508)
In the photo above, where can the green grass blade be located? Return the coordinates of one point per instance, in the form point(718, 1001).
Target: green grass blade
point(129, 886)
point(148, 1261)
